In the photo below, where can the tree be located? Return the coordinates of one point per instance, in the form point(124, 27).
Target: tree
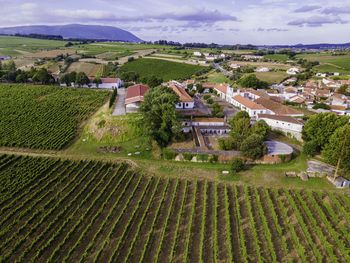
point(333, 149)
point(251, 81)
point(21, 77)
point(129, 76)
point(344, 90)
point(320, 127)
point(97, 81)
point(42, 75)
point(72, 76)
point(153, 81)
point(310, 148)
point(159, 116)
point(253, 147)
point(82, 79)
point(261, 128)
point(240, 128)
point(65, 79)
point(237, 165)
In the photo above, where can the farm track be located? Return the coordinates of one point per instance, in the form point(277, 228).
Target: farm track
point(90, 211)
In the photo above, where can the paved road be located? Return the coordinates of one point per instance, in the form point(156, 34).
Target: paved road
point(197, 151)
point(119, 106)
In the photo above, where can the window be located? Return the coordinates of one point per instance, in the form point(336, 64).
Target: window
point(186, 104)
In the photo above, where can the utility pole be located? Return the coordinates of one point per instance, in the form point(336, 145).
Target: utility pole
point(342, 150)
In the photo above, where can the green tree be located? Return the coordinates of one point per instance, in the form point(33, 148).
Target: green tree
point(334, 148)
point(310, 148)
point(97, 81)
point(65, 79)
point(344, 90)
point(72, 77)
point(251, 81)
point(261, 128)
point(159, 116)
point(154, 81)
point(43, 75)
point(82, 79)
point(253, 147)
point(240, 128)
point(237, 165)
point(21, 77)
point(320, 127)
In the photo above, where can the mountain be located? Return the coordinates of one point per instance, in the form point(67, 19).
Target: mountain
point(311, 46)
point(75, 31)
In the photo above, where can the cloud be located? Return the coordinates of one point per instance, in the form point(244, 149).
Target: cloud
point(307, 8)
point(274, 29)
point(336, 10)
point(317, 21)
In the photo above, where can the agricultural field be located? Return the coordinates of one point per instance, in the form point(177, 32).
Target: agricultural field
point(272, 77)
point(90, 69)
point(87, 211)
point(12, 44)
point(278, 57)
point(167, 70)
point(44, 117)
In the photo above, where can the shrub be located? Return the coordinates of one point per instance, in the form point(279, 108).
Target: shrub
point(210, 101)
point(101, 123)
point(168, 154)
point(206, 96)
point(310, 148)
point(214, 158)
point(226, 144)
point(253, 147)
point(188, 156)
point(237, 165)
point(202, 157)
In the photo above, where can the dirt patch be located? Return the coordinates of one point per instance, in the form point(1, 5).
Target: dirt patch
point(50, 53)
point(90, 69)
point(107, 128)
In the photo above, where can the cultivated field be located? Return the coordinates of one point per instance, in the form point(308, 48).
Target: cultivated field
point(86, 211)
point(44, 117)
point(271, 77)
point(166, 70)
point(90, 69)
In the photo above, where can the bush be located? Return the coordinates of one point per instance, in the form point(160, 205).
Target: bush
point(310, 148)
point(253, 147)
point(226, 144)
point(237, 165)
point(214, 158)
point(202, 157)
point(210, 101)
point(188, 156)
point(206, 96)
point(168, 154)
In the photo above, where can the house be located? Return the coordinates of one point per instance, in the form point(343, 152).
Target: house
point(251, 57)
point(293, 71)
point(236, 66)
point(197, 53)
point(322, 93)
point(339, 110)
point(5, 57)
point(262, 69)
point(186, 101)
point(134, 97)
point(211, 57)
point(297, 99)
point(253, 94)
point(341, 182)
point(322, 75)
point(247, 105)
point(286, 124)
point(276, 108)
point(107, 83)
point(221, 89)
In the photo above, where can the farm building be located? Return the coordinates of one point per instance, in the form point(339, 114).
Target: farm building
point(276, 108)
point(134, 97)
point(247, 105)
point(186, 101)
point(107, 83)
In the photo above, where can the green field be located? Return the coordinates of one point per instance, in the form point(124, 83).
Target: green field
point(166, 70)
point(278, 57)
point(272, 77)
point(11, 44)
point(331, 68)
point(44, 117)
point(54, 210)
point(217, 77)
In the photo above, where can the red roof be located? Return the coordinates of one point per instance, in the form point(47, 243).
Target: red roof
point(106, 80)
point(135, 93)
point(183, 95)
point(248, 103)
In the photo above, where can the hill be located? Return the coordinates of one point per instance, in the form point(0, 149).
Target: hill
point(75, 31)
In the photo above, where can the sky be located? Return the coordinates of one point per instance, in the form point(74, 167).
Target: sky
point(258, 22)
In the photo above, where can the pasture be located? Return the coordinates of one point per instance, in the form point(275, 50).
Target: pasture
point(90, 69)
point(87, 211)
point(272, 77)
point(167, 70)
point(44, 117)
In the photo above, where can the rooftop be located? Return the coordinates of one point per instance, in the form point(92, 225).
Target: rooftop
point(280, 118)
point(183, 95)
point(277, 108)
point(248, 103)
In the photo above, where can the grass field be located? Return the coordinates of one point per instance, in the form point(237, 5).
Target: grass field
point(271, 77)
point(217, 77)
point(44, 117)
point(278, 57)
point(166, 70)
point(29, 44)
point(84, 211)
point(90, 69)
point(273, 65)
point(331, 68)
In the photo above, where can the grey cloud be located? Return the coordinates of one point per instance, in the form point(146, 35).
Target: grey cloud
point(316, 21)
point(307, 8)
point(274, 29)
point(336, 10)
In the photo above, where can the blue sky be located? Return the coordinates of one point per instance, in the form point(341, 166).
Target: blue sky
point(223, 22)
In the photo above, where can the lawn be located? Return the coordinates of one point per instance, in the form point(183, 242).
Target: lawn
point(217, 77)
point(272, 77)
point(90, 69)
point(167, 70)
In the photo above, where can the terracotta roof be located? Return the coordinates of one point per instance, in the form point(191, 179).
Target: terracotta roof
point(323, 92)
point(208, 85)
point(277, 108)
point(257, 92)
point(183, 95)
point(248, 103)
point(221, 87)
point(276, 99)
point(272, 91)
point(280, 118)
point(337, 108)
point(106, 80)
point(208, 120)
point(135, 93)
point(290, 90)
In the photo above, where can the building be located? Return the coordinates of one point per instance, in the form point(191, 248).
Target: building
point(276, 108)
point(134, 97)
point(107, 83)
point(197, 53)
point(286, 124)
point(186, 101)
point(236, 66)
point(262, 69)
point(247, 105)
point(293, 71)
point(221, 89)
point(5, 57)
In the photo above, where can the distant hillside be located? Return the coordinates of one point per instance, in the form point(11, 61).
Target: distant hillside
point(75, 31)
point(312, 46)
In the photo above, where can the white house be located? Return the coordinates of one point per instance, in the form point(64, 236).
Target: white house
point(221, 89)
point(186, 101)
point(322, 75)
point(262, 69)
point(197, 53)
point(134, 97)
point(236, 66)
point(293, 71)
point(287, 124)
point(247, 105)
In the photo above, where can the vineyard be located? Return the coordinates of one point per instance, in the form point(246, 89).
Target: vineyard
point(44, 117)
point(55, 210)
